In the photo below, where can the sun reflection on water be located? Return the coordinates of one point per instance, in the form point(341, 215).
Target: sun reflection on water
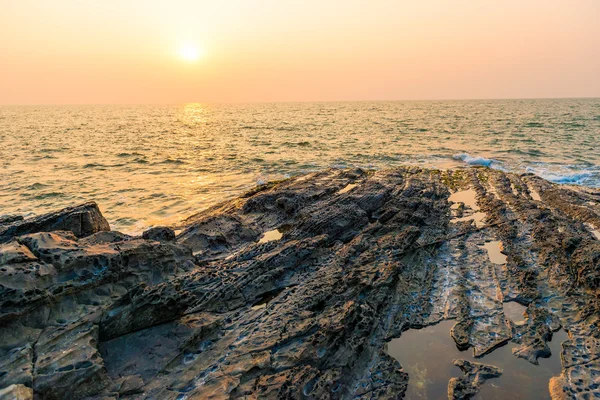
point(150, 165)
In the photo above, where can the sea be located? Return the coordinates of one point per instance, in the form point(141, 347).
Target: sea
point(150, 165)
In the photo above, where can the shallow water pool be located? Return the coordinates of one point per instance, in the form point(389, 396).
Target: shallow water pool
point(426, 355)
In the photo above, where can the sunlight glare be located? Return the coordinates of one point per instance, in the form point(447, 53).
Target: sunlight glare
point(190, 53)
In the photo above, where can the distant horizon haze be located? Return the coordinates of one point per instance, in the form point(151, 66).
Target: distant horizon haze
point(158, 52)
point(258, 102)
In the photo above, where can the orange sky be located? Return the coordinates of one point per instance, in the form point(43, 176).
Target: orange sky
point(127, 51)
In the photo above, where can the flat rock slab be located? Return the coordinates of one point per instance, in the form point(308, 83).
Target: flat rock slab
point(227, 309)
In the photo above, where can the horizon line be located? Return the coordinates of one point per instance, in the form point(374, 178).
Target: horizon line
point(298, 101)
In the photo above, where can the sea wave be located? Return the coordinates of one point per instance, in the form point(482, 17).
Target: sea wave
point(577, 179)
point(584, 177)
point(562, 174)
point(486, 162)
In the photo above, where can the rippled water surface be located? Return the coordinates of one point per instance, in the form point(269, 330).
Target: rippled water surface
point(150, 165)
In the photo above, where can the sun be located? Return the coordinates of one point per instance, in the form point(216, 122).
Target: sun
point(189, 53)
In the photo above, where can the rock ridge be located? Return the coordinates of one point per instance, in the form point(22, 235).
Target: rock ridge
point(293, 289)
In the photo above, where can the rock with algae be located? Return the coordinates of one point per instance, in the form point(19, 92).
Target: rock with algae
point(216, 312)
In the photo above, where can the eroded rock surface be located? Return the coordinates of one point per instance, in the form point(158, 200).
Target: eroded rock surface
point(475, 374)
point(221, 312)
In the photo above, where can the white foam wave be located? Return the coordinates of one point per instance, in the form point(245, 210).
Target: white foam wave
point(486, 162)
point(564, 174)
point(577, 178)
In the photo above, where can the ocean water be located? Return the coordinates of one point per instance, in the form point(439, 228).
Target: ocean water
point(154, 165)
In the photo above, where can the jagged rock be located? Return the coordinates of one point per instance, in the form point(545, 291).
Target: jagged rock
point(82, 220)
point(159, 233)
point(230, 310)
point(53, 290)
point(534, 334)
point(468, 385)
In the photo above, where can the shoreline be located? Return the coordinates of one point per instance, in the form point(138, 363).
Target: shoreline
point(148, 166)
point(176, 221)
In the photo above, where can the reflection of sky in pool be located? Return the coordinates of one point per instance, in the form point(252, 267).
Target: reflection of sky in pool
point(426, 355)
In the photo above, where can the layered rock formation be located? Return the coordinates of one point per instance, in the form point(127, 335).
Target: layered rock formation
point(294, 289)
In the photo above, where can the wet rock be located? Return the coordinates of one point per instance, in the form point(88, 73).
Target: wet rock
point(8, 218)
point(82, 220)
point(534, 334)
point(225, 311)
point(159, 233)
point(468, 385)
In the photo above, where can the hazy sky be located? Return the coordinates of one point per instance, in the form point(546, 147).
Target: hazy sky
point(128, 51)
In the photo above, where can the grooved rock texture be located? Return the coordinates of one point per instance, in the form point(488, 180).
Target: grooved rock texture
point(294, 289)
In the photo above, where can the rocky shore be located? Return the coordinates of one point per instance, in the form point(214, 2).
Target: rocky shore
point(294, 289)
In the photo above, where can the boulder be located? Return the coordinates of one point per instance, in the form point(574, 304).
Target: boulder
point(159, 233)
point(83, 220)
